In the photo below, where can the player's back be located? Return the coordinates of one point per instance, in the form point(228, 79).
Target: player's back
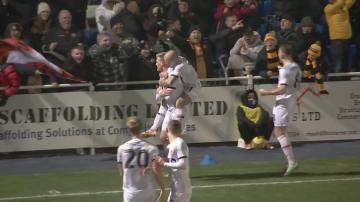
point(289, 75)
point(136, 155)
point(187, 75)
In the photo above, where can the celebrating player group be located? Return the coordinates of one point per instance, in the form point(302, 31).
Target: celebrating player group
point(178, 87)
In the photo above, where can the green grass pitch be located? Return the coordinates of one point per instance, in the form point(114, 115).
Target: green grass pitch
point(322, 180)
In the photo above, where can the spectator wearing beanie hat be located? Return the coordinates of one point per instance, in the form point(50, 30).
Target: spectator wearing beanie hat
point(340, 32)
point(43, 7)
point(268, 60)
point(197, 50)
point(40, 25)
point(306, 36)
point(315, 66)
point(286, 34)
point(121, 37)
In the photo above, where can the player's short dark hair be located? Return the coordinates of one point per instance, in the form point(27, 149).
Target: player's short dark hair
point(174, 127)
point(287, 49)
point(134, 125)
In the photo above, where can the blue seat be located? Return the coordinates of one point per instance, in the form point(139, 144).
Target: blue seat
point(263, 30)
point(266, 8)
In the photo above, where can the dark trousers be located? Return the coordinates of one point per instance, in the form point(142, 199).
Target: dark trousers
point(248, 132)
point(340, 55)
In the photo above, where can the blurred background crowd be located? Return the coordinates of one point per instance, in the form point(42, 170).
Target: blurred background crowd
point(117, 40)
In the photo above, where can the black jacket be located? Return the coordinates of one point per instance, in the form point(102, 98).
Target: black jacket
point(81, 70)
point(304, 41)
point(189, 53)
point(225, 39)
point(240, 114)
point(65, 40)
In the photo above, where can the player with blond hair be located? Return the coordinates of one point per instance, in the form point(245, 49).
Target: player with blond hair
point(134, 158)
point(176, 70)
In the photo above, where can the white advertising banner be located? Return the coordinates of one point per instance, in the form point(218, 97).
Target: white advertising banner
point(97, 119)
point(327, 117)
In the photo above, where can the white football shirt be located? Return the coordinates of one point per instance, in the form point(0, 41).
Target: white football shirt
point(290, 75)
point(179, 164)
point(187, 74)
point(135, 155)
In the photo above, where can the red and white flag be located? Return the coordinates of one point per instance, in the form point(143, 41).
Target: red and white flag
point(18, 52)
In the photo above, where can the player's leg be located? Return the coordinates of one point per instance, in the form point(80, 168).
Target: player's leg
point(144, 195)
point(170, 197)
point(180, 197)
point(128, 196)
point(281, 118)
point(164, 126)
point(159, 118)
point(181, 102)
point(181, 107)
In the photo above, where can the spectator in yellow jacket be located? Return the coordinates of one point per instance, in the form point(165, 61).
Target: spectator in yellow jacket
point(337, 17)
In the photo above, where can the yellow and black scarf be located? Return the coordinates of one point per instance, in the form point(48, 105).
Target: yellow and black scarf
point(311, 69)
point(200, 60)
point(312, 66)
point(272, 60)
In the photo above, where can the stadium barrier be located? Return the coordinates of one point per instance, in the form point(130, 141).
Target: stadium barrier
point(93, 119)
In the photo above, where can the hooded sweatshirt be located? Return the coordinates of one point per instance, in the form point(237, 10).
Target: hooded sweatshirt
point(250, 50)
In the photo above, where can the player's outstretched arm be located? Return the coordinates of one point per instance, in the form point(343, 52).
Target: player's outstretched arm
point(159, 179)
point(177, 165)
point(281, 89)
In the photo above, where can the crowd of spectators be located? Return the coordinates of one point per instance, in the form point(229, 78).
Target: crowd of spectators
point(119, 41)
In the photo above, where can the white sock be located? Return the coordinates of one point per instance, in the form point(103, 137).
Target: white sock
point(159, 118)
point(287, 148)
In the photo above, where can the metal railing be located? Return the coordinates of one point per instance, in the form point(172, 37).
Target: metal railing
point(250, 81)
